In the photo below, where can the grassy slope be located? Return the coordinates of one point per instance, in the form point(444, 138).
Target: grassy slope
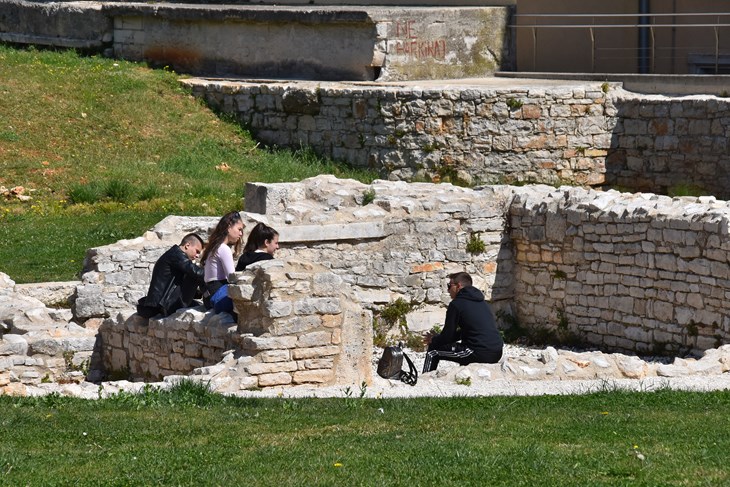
point(86, 127)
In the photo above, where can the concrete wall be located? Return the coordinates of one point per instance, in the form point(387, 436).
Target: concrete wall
point(346, 43)
point(79, 25)
point(360, 43)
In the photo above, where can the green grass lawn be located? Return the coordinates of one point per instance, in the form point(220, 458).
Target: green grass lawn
point(106, 148)
point(169, 438)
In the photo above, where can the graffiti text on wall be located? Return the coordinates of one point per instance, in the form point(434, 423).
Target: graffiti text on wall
point(408, 43)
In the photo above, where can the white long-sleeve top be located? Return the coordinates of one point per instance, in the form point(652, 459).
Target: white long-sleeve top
point(220, 264)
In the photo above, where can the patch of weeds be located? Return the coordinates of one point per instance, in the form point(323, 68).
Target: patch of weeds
point(46, 379)
point(391, 139)
point(68, 359)
point(562, 320)
point(352, 401)
point(400, 133)
point(119, 374)
point(724, 94)
point(514, 103)
point(692, 329)
point(513, 332)
point(391, 315)
point(605, 87)
point(475, 245)
point(558, 274)
point(189, 392)
point(8, 136)
point(368, 197)
point(428, 148)
point(119, 190)
point(581, 150)
point(149, 192)
point(463, 381)
point(686, 190)
point(81, 193)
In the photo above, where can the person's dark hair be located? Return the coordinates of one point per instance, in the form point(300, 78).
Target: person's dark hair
point(258, 237)
point(219, 236)
point(191, 238)
point(462, 278)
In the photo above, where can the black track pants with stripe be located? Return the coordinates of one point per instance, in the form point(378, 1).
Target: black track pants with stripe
point(459, 353)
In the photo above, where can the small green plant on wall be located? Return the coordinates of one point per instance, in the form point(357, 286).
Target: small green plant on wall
point(368, 197)
point(514, 103)
point(475, 245)
point(395, 314)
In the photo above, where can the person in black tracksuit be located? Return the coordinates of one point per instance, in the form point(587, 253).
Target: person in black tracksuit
point(470, 333)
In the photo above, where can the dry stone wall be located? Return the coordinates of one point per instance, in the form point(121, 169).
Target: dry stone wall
point(640, 273)
point(470, 133)
point(297, 324)
point(590, 134)
point(671, 144)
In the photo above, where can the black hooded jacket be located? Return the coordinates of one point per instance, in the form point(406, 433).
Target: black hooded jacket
point(248, 258)
point(469, 319)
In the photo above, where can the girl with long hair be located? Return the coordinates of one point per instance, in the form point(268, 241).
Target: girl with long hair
point(217, 260)
point(262, 242)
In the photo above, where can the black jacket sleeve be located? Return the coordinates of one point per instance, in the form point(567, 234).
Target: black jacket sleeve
point(451, 332)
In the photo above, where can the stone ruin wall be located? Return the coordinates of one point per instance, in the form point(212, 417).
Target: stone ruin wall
point(297, 325)
point(626, 272)
point(474, 134)
point(638, 273)
point(584, 133)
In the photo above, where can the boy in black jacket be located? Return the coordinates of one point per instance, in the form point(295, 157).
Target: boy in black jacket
point(175, 279)
point(470, 333)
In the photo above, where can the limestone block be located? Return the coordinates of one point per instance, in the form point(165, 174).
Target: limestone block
point(268, 343)
point(13, 345)
point(7, 285)
point(277, 379)
point(118, 360)
point(89, 306)
point(271, 367)
point(49, 293)
point(277, 309)
point(672, 370)
point(193, 350)
point(314, 339)
point(317, 305)
point(321, 363)
point(57, 346)
point(274, 356)
point(315, 352)
point(318, 376)
point(295, 325)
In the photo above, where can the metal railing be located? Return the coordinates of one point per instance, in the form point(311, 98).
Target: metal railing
point(647, 24)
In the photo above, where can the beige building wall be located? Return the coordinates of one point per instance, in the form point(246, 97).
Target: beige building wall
point(677, 42)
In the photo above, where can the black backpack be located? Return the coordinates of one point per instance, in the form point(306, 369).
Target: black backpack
point(390, 366)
